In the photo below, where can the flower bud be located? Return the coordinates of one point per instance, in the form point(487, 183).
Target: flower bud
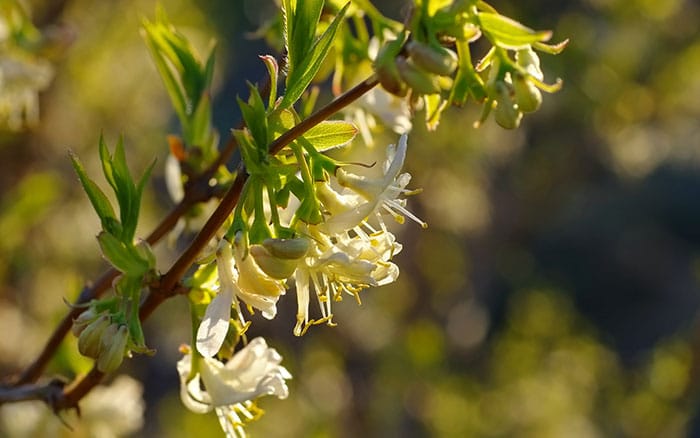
point(287, 248)
point(82, 321)
point(388, 76)
point(276, 267)
point(506, 114)
point(421, 82)
point(89, 342)
point(438, 60)
point(385, 67)
point(113, 340)
point(528, 59)
point(527, 96)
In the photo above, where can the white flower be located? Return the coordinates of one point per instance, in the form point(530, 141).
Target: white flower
point(231, 388)
point(239, 277)
point(381, 194)
point(341, 264)
point(22, 77)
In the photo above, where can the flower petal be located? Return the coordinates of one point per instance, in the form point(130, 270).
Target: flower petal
point(214, 327)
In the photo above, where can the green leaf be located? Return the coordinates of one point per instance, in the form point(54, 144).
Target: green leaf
point(273, 72)
point(330, 134)
point(300, 22)
point(508, 33)
point(122, 256)
point(280, 122)
point(255, 117)
point(186, 78)
point(301, 76)
point(97, 197)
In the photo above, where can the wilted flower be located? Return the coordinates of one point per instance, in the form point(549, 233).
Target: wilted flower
point(231, 388)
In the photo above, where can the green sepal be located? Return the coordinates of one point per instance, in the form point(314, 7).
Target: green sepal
point(434, 105)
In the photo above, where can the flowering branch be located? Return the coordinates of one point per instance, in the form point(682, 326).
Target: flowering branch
point(167, 286)
point(288, 215)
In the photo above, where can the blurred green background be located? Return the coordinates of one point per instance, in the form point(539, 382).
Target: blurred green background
point(555, 293)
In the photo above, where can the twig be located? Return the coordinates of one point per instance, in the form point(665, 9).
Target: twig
point(95, 290)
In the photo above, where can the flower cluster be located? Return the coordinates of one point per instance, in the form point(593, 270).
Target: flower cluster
point(348, 250)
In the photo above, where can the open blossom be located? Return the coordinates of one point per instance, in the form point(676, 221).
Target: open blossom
point(370, 197)
point(343, 264)
point(240, 278)
point(231, 388)
point(348, 254)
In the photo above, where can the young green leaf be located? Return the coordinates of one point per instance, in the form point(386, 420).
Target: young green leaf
point(508, 33)
point(330, 134)
point(122, 256)
point(303, 73)
point(97, 197)
point(300, 20)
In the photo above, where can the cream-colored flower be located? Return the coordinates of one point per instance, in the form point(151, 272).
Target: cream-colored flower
point(341, 264)
point(239, 277)
point(377, 195)
point(231, 388)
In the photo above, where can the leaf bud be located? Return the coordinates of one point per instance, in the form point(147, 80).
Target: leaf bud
point(421, 82)
point(433, 59)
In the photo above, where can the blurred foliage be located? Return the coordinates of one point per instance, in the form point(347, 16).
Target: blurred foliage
point(554, 294)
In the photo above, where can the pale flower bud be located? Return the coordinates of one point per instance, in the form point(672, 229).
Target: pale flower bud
point(89, 342)
point(276, 267)
point(287, 248)
point(528, 59)
point(527, 96)
point(420, 81)
point(506, 114)
point(82, 321)
point(113, 340)
point(438, 60)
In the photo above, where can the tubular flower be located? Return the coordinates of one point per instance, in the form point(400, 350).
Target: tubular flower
point(341, 264)
point(231, 388)
point(375, 195)
point(239, 277)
